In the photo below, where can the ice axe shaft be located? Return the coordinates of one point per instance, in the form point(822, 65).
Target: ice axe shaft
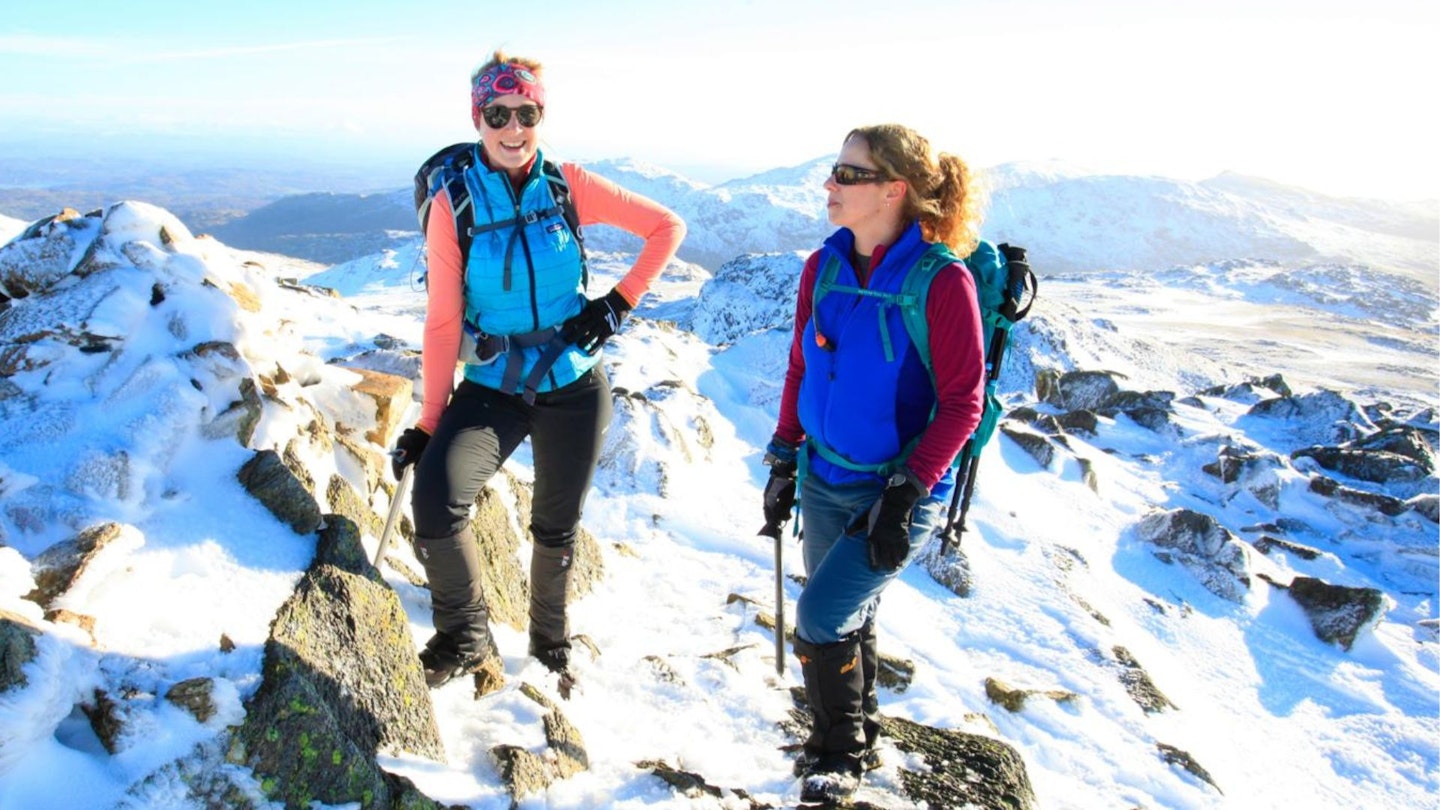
point(396, 504)
point(773, 531)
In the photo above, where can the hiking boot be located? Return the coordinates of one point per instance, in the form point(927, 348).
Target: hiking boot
point(443, 661)
point(830, 782)
point(557, 660)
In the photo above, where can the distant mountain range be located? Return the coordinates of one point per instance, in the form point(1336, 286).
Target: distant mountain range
point(1070, 220)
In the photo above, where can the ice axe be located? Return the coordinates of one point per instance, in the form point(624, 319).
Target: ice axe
point(396, 504)
point(773, 531)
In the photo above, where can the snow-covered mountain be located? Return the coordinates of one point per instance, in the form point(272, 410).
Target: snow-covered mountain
point(1186, 581)
point(1071, 220)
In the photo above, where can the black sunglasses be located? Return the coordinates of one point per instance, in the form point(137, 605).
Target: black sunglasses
point(847, 175)
point(498, 115)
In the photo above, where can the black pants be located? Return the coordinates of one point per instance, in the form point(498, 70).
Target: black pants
point(478, 431)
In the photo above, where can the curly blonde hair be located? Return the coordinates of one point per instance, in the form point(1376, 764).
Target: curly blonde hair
point(941, 191)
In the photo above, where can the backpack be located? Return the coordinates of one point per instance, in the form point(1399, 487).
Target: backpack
point(446, 170)
point(1003, 282)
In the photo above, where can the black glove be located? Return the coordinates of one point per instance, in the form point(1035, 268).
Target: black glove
point(596, 322)
point(407, 450)
point(888, 523)
point(780, 456)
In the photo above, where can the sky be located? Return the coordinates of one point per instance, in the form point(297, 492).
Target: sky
point(1275, 716)
point(1335, 96)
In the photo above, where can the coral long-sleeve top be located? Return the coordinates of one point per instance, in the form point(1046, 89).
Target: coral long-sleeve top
point(597, 200)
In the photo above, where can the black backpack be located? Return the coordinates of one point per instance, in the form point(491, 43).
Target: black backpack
point(446, 169)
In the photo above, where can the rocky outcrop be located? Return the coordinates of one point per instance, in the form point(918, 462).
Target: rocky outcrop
point(1036, 445)
point(1319, 417)
point(1379, 502)
point(1186, 762)
point(340, 683)
point(1252, 390)
point(960, 769)
point(1077, 390)
point(951, 569)
point(58, 568)
point(281, 490)
point(17, 648)
point(1363, 464)
point(528, 773)
point(1249, 470)
point(1338, 614)
point(1137, 682)
point(1205, 548)
point(1013, 699)
point(946, 767)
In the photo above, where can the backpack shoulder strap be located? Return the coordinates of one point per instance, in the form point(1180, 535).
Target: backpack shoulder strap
point(560, 190)
point(446, 170)
point(917, 287)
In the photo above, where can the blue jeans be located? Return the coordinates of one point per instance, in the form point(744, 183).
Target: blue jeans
point(843, 591)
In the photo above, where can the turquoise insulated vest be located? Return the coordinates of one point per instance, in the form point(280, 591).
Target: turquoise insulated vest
point(866, 395)
point(524, 274)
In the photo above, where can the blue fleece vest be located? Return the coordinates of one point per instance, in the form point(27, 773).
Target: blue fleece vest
point(524, 276)
point(866, 394)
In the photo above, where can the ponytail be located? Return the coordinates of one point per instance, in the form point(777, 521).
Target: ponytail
point(953, 215)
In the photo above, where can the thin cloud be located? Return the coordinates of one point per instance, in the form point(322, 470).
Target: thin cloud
point(250, 50)
point(122, 52)
point(66, 47)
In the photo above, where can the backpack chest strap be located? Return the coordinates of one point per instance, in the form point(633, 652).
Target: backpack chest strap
point(826, 285)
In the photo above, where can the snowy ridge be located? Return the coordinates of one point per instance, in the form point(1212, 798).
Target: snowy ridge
point(117, 416)
point(1072, 220)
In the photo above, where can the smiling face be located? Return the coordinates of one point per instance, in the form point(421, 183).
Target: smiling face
point(510, 148)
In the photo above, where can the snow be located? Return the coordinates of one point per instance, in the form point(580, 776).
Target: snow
point(1276, 716)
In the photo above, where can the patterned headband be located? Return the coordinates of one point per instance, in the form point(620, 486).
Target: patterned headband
point(503, 80)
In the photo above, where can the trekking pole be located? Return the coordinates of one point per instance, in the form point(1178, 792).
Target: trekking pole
point(773, 531)
point(396, 504)
point(962, 481)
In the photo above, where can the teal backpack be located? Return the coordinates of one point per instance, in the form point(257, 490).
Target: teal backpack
point(1006, 287)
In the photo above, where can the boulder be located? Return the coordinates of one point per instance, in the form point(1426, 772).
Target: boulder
point(1037, 446)
point(1338, 614)
point(1320, 417)
point(17, 648)
point(945, 767)
point(341, 682)
point(1253, 471)
point(1204, 547)
point(528, 773)
point(1370, 465)
point(1076, 390)
point(1137, 683)
point(266, 477)
point(1384, 504)
point(1266, 544)
point(59, 566)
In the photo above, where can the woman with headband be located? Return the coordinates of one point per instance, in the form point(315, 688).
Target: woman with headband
point(513, 309)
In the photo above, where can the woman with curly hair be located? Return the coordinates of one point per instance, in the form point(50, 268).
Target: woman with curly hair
point(874, 430)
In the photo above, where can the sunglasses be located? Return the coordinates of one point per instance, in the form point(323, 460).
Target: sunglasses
point(847, 175)
point(498, 115)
